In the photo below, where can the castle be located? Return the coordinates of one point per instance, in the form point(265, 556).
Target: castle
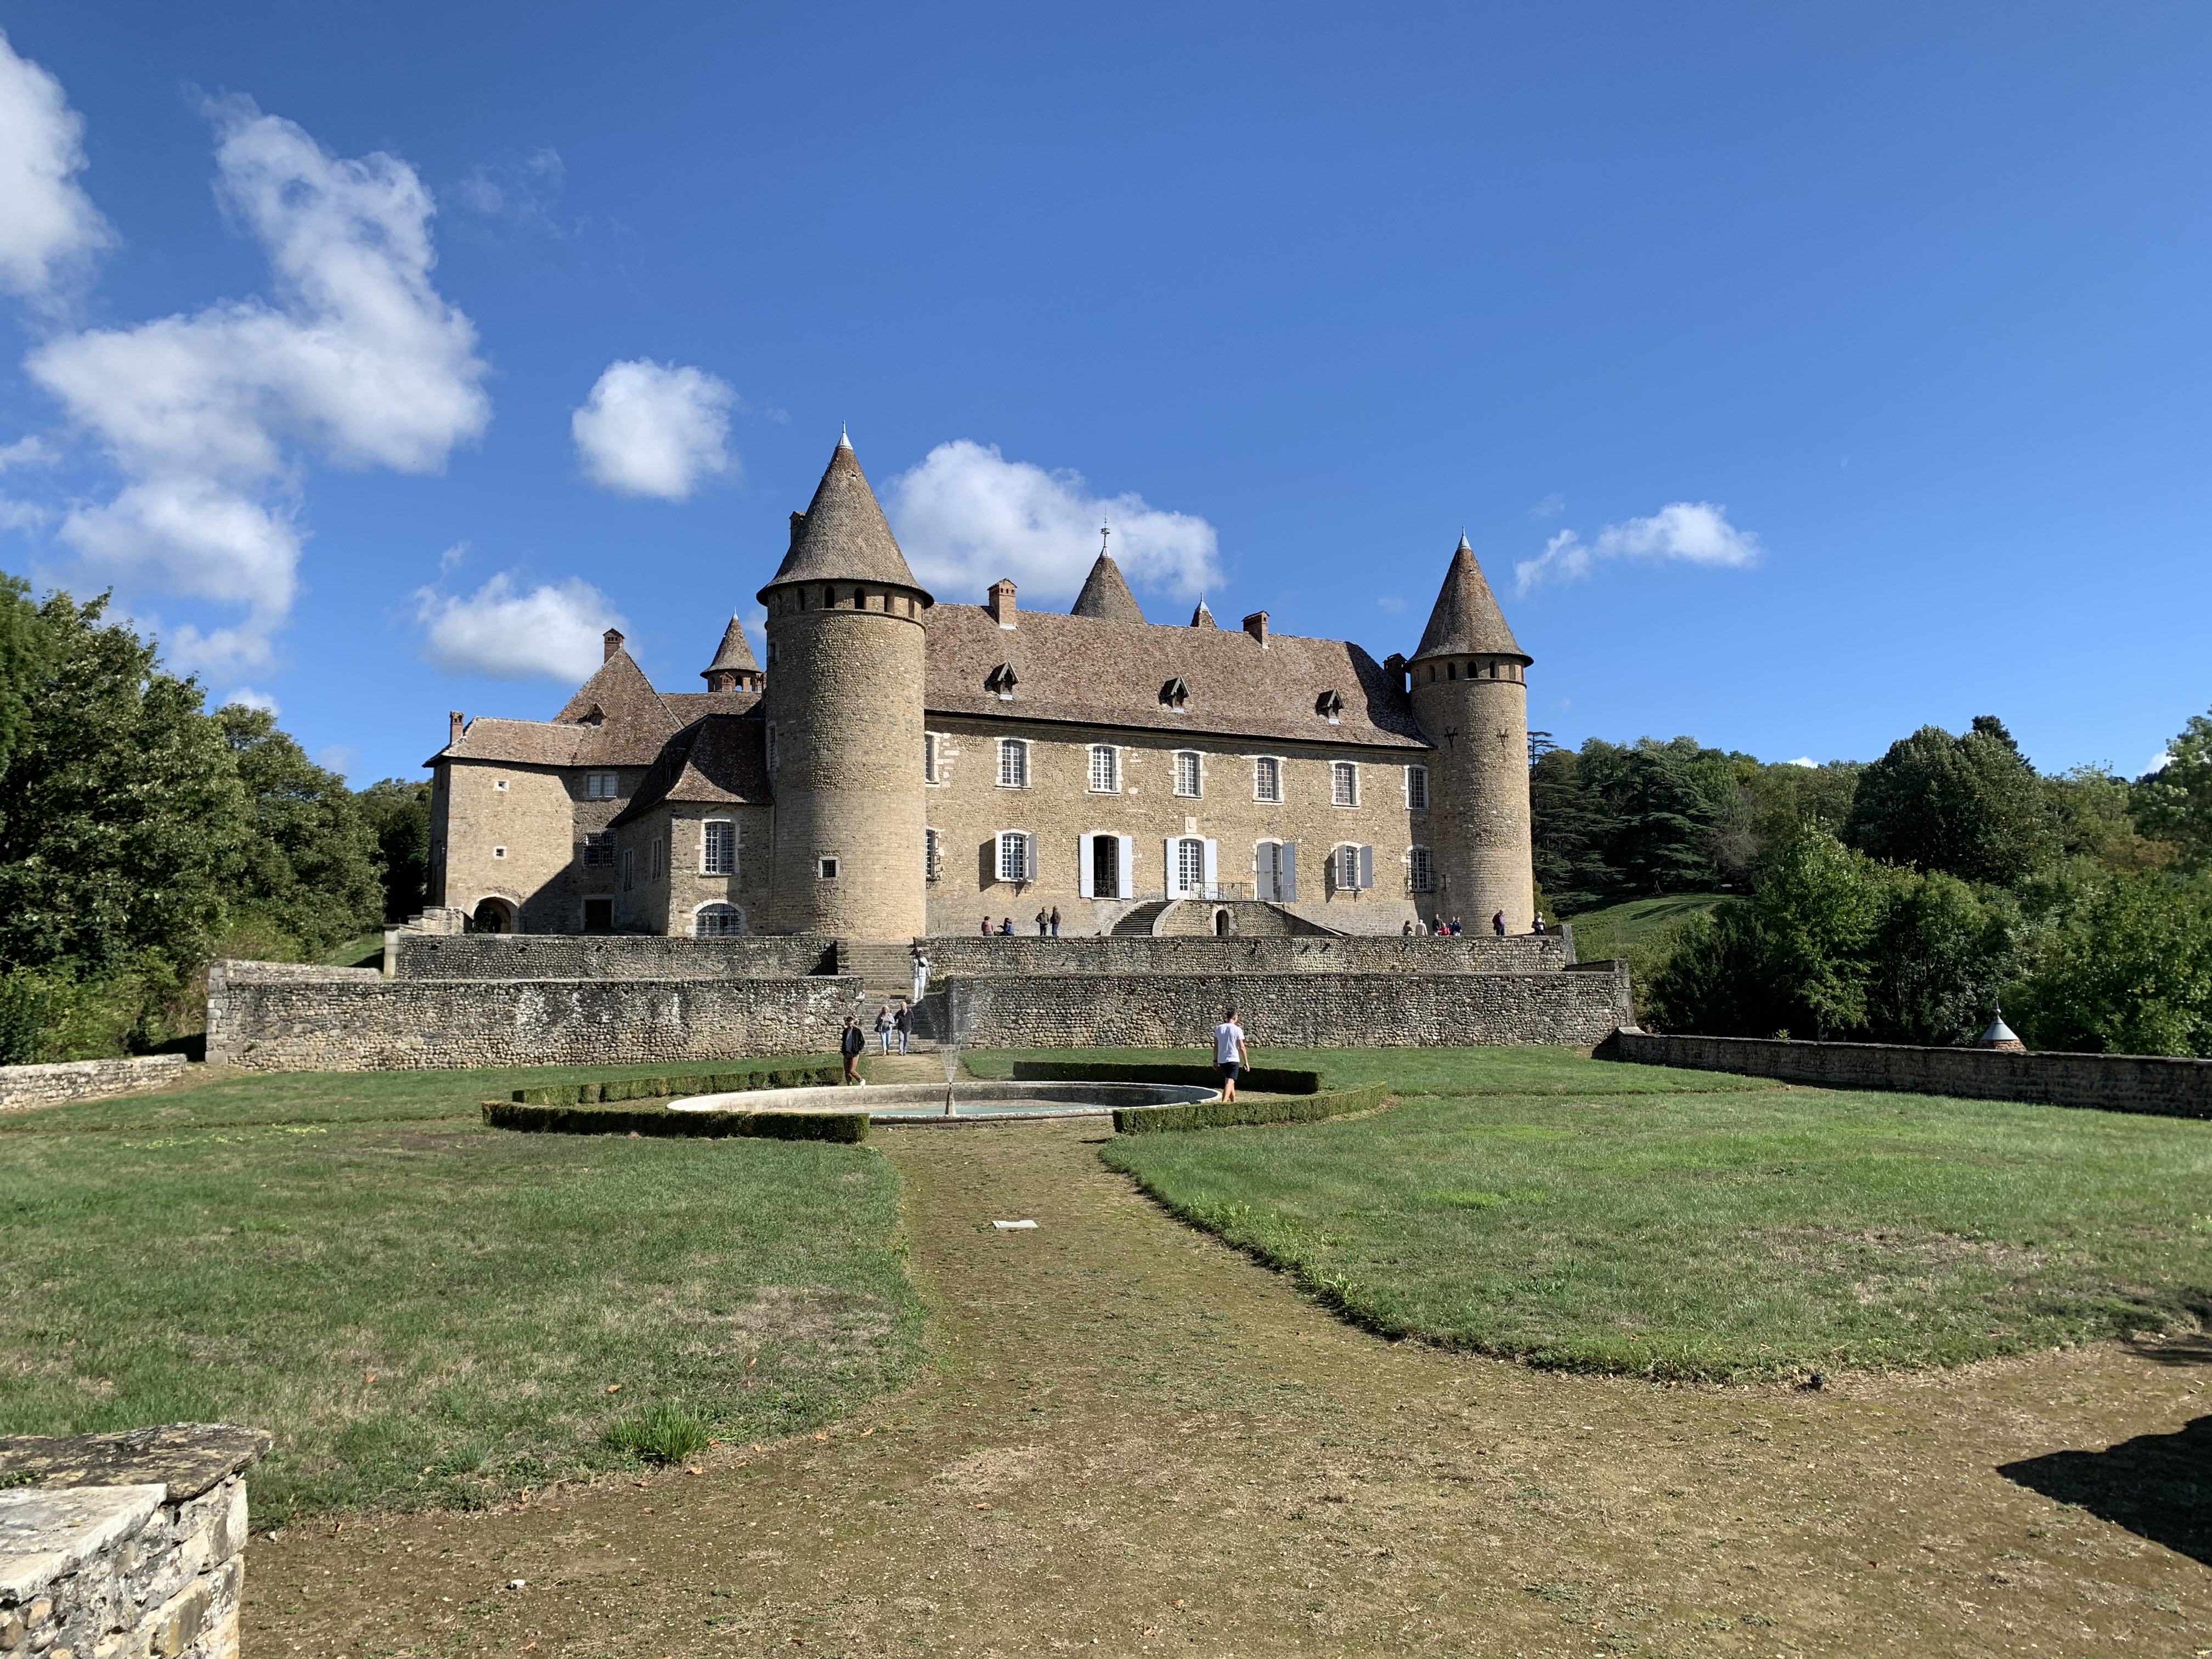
point(904, 767)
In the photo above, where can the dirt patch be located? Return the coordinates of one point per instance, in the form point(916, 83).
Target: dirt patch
point(1131, 1438)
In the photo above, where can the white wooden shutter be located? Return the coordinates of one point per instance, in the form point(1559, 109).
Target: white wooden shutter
point(1125, 869)
point(1367, 866)
point(1082, 867)
point(1212, 864)
point(1290, 872)
point(1173, 887)
point(1032, 856)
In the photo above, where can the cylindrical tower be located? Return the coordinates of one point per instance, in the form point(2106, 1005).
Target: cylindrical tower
point(1472, 699)
point(843, 706)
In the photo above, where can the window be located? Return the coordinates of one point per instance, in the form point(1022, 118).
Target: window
point(717, 921)
point(1190, 865)
point(1266, 779)
point(598, 915)
point(771, 745)
point(601, 786)
point(656, 859)
point(1276, 864)
point(929, 761)
point(1016, 860)
point(1013, 764)
point(932, 854)
point(500, 784)
point(599, 847)
point(1419, 874)
point(1417, 790)
point(628, 868)
point(1344, 783)
point(1186, 772)
point(1355, 868)
point(717, 855)
point(826, 868)
point(1105, 769)
point(499, 852)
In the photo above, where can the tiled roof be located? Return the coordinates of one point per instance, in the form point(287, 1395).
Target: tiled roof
point(518, 743)
point(1105, 596)
point(736, 651)
point(717, 760)
point(633, 723)
point(1203, 617)
point(1467, 620)
point(842, 536)
point(1095, 672)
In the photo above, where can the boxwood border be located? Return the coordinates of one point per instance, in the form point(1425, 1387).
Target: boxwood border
point(1225, 1113)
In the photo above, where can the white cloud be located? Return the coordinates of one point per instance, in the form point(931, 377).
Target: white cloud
point(551, 632)
point(1803, 760)
point(26, 452)
point(1550, 507)
point(247, 697)
point(967, 516)
point(48, 226)
point(1391, 603)
point(339, 757)
point(516, 190)
point(653, 429)
point(359, 361)
point(1694, 532)
point(2157, 763)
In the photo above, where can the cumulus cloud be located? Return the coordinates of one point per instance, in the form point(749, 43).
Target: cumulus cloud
point(653, 429)
point(1692, 533)
point(247, 697)
point(48, 226)
point(1803, 760)
point(967, 516)
point(551, 632)
point(358, 360)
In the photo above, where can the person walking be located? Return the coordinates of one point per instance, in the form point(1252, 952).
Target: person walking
point(1498, 924)
point(1229, 1052)
point(851, 1044)
point(1055, 921)
point(903, 1021)
point(920, 970)
point(883, 1028)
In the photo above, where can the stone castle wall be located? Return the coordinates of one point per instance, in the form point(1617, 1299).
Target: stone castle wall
point(2114, 1083)
point(24, 1086)
point(573, 955)
point(1286, 1010)
point(1138, 954)
point(366, 1023)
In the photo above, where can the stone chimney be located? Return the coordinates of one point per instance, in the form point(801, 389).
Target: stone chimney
point(798, 524)
point(1256, 626)
point(613, 640)
point(1395, 666)
point(455, 721)
point(1001, 602)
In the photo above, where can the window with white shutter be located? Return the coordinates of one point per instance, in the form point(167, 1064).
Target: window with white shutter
point(1014, 856)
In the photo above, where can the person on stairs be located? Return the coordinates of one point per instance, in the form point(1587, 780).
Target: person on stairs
point(903, 1023)
point(883, 1028)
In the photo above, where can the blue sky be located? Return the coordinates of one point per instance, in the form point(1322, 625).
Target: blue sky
point(1851, 366)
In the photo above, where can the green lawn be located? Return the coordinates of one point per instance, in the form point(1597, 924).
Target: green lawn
point(424, 1310)
point(1738, 1233)
point(1526, 1069)
point(1637, 925)
point(362, 951)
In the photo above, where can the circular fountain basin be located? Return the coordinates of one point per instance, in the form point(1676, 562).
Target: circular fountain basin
point(972, 1103)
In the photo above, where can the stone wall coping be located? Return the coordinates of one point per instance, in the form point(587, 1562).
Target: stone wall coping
point(182, 1458)
point(58, 1069)
point(46, 1535)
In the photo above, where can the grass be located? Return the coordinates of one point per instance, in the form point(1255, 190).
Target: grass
point(1729, 1234)
point(426, 1312)
point(1522, 1069)
point(362, 951)
point(1621, 930)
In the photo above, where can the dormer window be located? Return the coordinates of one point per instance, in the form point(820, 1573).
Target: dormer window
point(593, 716)
point(1329, 706)
point(1175, 693)
point(1002, 680)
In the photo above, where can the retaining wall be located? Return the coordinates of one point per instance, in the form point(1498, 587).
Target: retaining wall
point(2117, 1083)
point(607, 956)
point(368, 1023)
point(1286, 1010)
point(124, 1545)
point(1143, 954)
point(24, 1086)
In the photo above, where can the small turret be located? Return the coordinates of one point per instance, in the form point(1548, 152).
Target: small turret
point(1203, 617)
point(733, 668)
point(1106, 596)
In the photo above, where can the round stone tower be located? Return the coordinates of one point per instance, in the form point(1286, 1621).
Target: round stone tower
point(843, 707)
point(1472, 699)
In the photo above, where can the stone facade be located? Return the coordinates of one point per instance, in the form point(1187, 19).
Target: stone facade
point(1467, 954)
point(366, 1023)
point(24, 1086)
point(491, 955)
point(1295, 1011)
point(125, 1545)
point(2112, 1083)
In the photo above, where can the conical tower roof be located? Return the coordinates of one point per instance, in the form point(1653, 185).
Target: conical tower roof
point(736, 654)
point(1467, 620)
point(1105, 596)
point(842, 536)
point(1203, 617)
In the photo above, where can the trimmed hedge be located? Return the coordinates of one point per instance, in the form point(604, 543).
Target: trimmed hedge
point(1267, 1080)
point(1223, 1114)
point(662, 1088)
point(553, 1119)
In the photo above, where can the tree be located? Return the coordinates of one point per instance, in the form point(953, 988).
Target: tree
point(1568, 828)
point(308, 866)
point(1970, 806)
point(1940, 957)
point(2174, 803)
point(21, 652)
point(2127, 968)
point(397, 811)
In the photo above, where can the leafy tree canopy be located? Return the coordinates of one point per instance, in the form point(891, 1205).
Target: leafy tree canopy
point(2174, 804)
point(308, 866)
point(1969, 805)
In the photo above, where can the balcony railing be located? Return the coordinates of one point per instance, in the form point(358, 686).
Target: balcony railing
point(1216, 890)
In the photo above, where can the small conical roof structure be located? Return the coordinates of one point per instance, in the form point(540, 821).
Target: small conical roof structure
point(1467, 621)
point(1203, 617)
point(2000, 1034)
point(1106, 596)
point(736, 654)
point(842, 536)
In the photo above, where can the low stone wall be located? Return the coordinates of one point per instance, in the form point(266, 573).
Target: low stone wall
point(606, 956)
point(2115, 1083)
point(1143, 954)
point(125, 1545)
point(1290, 1009)
point(369, 1022)
point(24, 1086)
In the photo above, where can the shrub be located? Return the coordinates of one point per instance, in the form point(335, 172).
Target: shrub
point(23, 1004)
point(1263, 1079)
point(663, 1088)
point(659, 1434)
point(1223, 1114)
point(850, 1128)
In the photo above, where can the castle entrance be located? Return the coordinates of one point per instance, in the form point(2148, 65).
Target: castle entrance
point(494, 916)
point(1106, 866)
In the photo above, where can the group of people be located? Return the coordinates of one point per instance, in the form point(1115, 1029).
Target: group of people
point(1453, 928)
point(1048, 924)
point(891, 1024)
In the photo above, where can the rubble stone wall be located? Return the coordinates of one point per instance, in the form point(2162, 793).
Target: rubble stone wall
point(24, 1086)
point(1142, 954)
point(606, 956)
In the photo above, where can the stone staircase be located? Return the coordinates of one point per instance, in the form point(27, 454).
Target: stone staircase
point(1139, 922)
point(885, 967)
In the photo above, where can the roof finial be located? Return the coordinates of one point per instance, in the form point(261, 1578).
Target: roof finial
point(843, 442)
point(1105, 531)
point(1465, 546)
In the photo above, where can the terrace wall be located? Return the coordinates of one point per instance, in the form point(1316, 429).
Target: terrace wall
point(24, 1086)
point(607, 956)
point(1145, 954)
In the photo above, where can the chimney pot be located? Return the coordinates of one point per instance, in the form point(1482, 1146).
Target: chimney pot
point(454, 721)
point(1001, 602)
point(1256, 626)
point(614, 640)
point(798, 524)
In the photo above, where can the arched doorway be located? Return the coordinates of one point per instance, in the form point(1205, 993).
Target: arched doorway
point(1224, 923)
point(718, 921)
point(494, 916)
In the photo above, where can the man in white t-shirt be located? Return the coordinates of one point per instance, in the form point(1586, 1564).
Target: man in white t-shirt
point(1229, 1052)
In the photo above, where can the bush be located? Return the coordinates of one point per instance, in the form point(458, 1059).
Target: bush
point(1263, 1079)
point(1225, 1113)
point(659, 1434)
point(664, 1088)
point(23, 1004)
point(850, 1128)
